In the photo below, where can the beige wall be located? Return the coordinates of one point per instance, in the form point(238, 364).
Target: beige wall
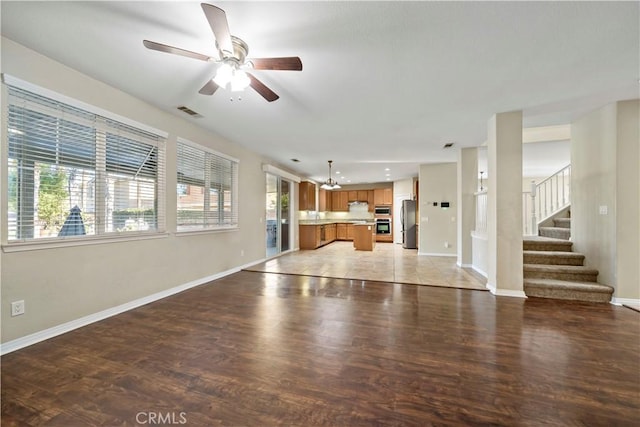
point(605, 159)
point(504, 204)
point(64, 284)
point(437, 225)
point(628, 200)
point(467, 182)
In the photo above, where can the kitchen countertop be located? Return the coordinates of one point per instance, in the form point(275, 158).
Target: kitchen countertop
point(336, 221)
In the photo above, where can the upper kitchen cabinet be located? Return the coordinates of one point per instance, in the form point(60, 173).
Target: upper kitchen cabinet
point(371, 200)
point(324, 200)
point(307, 197)
point(383, 196)
point(358, 196)
point(340, 201)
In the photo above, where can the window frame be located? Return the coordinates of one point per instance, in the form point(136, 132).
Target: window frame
point(102, 116)
point(182, 230)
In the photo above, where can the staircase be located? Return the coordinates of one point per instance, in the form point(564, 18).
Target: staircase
point(561, 229)
point(552, 270)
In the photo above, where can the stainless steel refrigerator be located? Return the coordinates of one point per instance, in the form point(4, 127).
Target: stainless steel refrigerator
point(408, 219)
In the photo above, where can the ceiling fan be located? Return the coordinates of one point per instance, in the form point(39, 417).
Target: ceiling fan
point(232, 56)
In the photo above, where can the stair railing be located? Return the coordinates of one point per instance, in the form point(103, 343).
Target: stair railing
point(545, 199)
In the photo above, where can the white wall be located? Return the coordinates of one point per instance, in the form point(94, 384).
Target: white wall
point(605, 194)
point(64, 284)
point(437, 225)
point(480, 262)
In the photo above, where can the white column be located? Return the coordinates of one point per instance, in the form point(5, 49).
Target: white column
point(467, 186)
point(504, 209)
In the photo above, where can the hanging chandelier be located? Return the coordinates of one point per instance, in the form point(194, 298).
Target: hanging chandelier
point(330, 184)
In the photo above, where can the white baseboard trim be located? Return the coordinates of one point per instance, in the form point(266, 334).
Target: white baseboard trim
point(45, 334)
point(464, 265)
point(436, 254)
point(477, 270)
point(505, 292)
point(620, 301)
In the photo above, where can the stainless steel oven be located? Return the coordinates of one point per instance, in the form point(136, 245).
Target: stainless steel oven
point(383, 225)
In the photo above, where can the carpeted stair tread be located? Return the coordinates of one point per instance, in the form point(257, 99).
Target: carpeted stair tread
point(540, 243)
point(568, 268)
point(553, 257)
point(562, 222)
point(561, 289)
point(574, 273)
point(556, 232)
point(590, 286)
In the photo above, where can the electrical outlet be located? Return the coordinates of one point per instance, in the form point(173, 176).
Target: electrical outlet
point(17, 308)
point(241, 252)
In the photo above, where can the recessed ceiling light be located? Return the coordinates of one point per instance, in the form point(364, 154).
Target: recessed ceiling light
point(387, 169)
point(387, 174)
point(337, 172)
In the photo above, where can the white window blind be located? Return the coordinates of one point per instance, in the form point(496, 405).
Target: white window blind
point(72, 172)
point(207, 189)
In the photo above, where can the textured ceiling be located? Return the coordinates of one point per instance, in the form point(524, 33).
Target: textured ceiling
point(384, 85)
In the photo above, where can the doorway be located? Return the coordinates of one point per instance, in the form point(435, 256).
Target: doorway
point(278, 215)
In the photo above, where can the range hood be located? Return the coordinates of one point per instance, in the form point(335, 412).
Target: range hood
point(356, 203)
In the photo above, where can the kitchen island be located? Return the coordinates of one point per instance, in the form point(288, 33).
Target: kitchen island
point(364, 237)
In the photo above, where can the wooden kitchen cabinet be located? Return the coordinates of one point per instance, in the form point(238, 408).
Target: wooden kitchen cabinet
point(309, 236)
point(324, 200)
point(371, 200)
point(330, 233)
point(307, 196)
point(383, 196)
point(358, 196)
point(340, 201)
point(312, 236)
point(350, 231)
point(341, 231)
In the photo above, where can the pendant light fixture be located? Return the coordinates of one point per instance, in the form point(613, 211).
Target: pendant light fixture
point(330, 184)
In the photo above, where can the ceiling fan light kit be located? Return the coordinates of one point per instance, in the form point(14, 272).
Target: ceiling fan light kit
point(232, 56)
point(330, 184)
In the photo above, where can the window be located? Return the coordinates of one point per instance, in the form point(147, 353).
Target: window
point(207, 189)
point(73, 172)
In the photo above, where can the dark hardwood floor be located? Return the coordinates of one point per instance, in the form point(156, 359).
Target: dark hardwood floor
point(260, 349)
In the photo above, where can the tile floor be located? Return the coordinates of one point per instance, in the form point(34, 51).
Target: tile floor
point(388, 262)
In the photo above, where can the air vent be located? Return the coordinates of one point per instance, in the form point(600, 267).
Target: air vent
point(448, 145)
point(189, 111)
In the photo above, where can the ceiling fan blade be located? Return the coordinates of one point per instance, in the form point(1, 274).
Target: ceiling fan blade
point(218, 22)
point(292, 63)
point(209, 88)
point(174, 50)
point(263, 90)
